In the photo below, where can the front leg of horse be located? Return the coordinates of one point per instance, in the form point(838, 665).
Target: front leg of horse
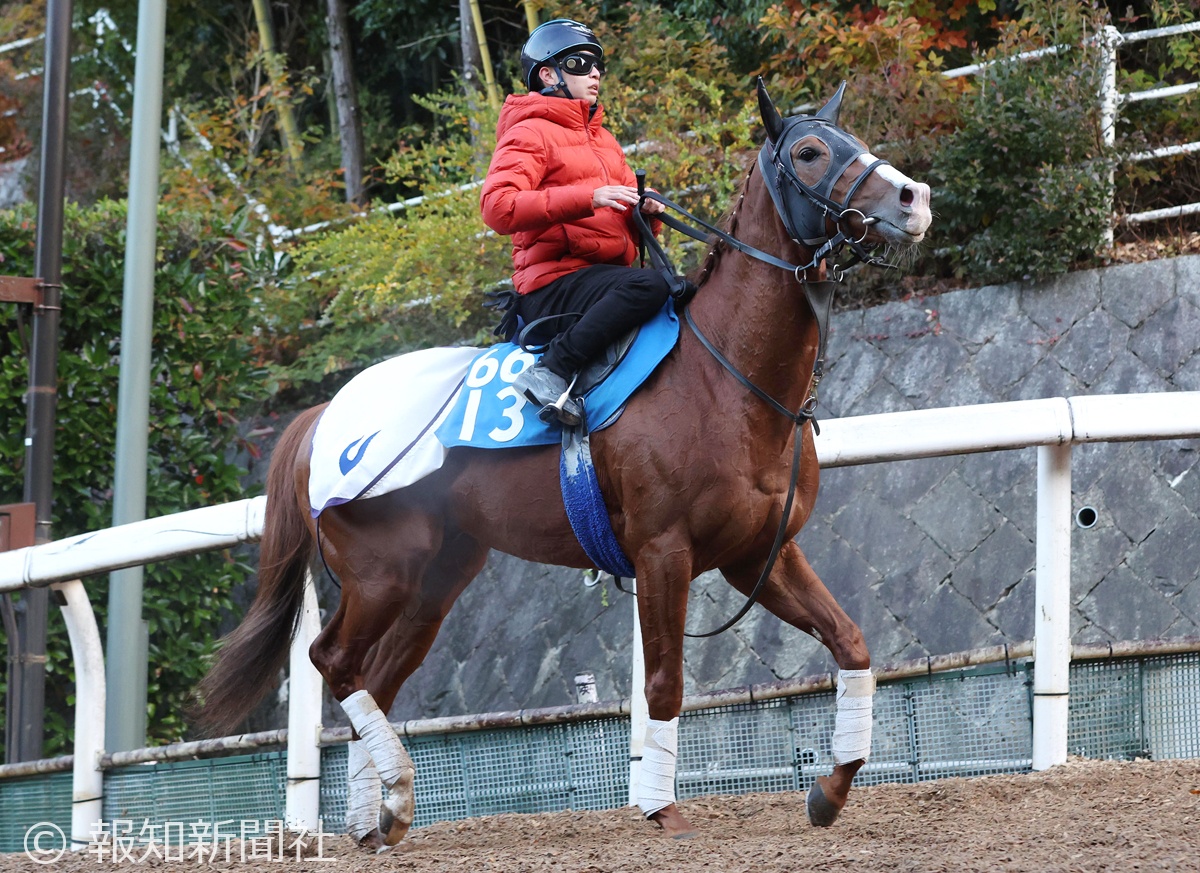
point(656, 787)
point(851, 744)
point(796, 594)
point(662, 590)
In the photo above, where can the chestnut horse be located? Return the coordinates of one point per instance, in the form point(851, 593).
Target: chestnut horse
point(696, 475)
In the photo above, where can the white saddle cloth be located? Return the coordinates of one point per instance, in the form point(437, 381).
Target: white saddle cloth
point(378, 433)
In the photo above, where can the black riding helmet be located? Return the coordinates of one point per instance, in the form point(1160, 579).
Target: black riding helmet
point(552, 39)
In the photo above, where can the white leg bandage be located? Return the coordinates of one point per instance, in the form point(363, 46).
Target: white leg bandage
point(656, 788)
point(852, 726)
point(363, 796)
point(391, 761)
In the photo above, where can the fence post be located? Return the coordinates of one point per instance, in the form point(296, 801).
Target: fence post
point(638, 708)
point(303, 801)
point(1052, 607)
point(1110, 101)
point(87, 780)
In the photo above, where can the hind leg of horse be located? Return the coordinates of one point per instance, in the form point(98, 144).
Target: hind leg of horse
point(392, 660)
point(380, 552)
point(796, 594)
point(664, 572)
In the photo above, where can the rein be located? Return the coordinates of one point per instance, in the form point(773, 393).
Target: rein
point(818, 295)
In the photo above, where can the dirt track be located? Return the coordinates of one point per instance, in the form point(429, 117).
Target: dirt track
point(1084, 816)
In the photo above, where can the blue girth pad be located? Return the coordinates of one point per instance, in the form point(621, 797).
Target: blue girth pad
point(586, 510)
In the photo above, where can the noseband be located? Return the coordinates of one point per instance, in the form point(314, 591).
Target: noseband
point(804, 209)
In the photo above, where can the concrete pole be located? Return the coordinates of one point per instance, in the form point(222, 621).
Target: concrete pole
point(1052, 607)
point(126, 707)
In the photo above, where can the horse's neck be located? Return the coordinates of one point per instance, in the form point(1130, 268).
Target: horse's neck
point(756, 314)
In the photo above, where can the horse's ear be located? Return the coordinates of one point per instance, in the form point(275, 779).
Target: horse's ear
point(770, 115)
point(831, 109)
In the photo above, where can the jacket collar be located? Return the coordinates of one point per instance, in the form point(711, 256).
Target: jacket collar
point(571, 114)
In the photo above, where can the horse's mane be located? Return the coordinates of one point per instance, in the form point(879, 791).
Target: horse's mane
point(717, 246)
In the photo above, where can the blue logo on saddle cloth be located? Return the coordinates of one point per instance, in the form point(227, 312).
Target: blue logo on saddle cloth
point(491, 414)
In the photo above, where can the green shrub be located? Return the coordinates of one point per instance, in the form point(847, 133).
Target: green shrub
point(1022, 186)
point(202, 372)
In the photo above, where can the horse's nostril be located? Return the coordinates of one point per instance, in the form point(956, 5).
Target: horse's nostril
point(906, 196)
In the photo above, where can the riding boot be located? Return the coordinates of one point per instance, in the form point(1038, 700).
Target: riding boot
point(551, 393)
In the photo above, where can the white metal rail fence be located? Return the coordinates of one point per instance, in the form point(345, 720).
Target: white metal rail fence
point(1052, 425)
point(1111, 101)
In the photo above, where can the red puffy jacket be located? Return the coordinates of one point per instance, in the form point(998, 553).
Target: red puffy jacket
point(550, 157)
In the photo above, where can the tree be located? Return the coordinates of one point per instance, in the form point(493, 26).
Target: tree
point(346, 96)
point(472, 59)
point(278, 71)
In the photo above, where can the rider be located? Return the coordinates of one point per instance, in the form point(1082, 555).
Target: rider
point(560, 186)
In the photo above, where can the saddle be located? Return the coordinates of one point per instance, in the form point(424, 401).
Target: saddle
point(511, 328)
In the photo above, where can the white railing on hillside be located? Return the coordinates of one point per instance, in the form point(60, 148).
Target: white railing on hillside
point(1111, 100)
point(1052, 425)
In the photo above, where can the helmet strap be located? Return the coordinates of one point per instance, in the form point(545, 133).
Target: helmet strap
point(550, 90)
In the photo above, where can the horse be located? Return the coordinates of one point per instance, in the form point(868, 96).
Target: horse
point(700, 472)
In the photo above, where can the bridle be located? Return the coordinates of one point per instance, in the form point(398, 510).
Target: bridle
point(805, 211)
point(809, 228)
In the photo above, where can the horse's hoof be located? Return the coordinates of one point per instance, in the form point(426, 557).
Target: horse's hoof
point(395, 818)
point(372, 841)
point(673, 824)
point(821, 811)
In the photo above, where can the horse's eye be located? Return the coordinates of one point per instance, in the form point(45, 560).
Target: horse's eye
point(807, 154)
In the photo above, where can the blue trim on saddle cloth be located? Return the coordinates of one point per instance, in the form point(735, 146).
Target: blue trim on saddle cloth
point(490, 414)
point(586, 510)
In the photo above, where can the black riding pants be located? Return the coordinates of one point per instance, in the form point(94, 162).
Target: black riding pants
point(613, 300)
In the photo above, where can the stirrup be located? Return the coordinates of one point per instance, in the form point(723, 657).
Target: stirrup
point(552, 412)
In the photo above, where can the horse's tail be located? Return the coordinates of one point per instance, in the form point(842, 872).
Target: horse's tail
point(249, 660)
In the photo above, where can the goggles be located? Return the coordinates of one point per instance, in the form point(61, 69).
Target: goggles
point(581, 65)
